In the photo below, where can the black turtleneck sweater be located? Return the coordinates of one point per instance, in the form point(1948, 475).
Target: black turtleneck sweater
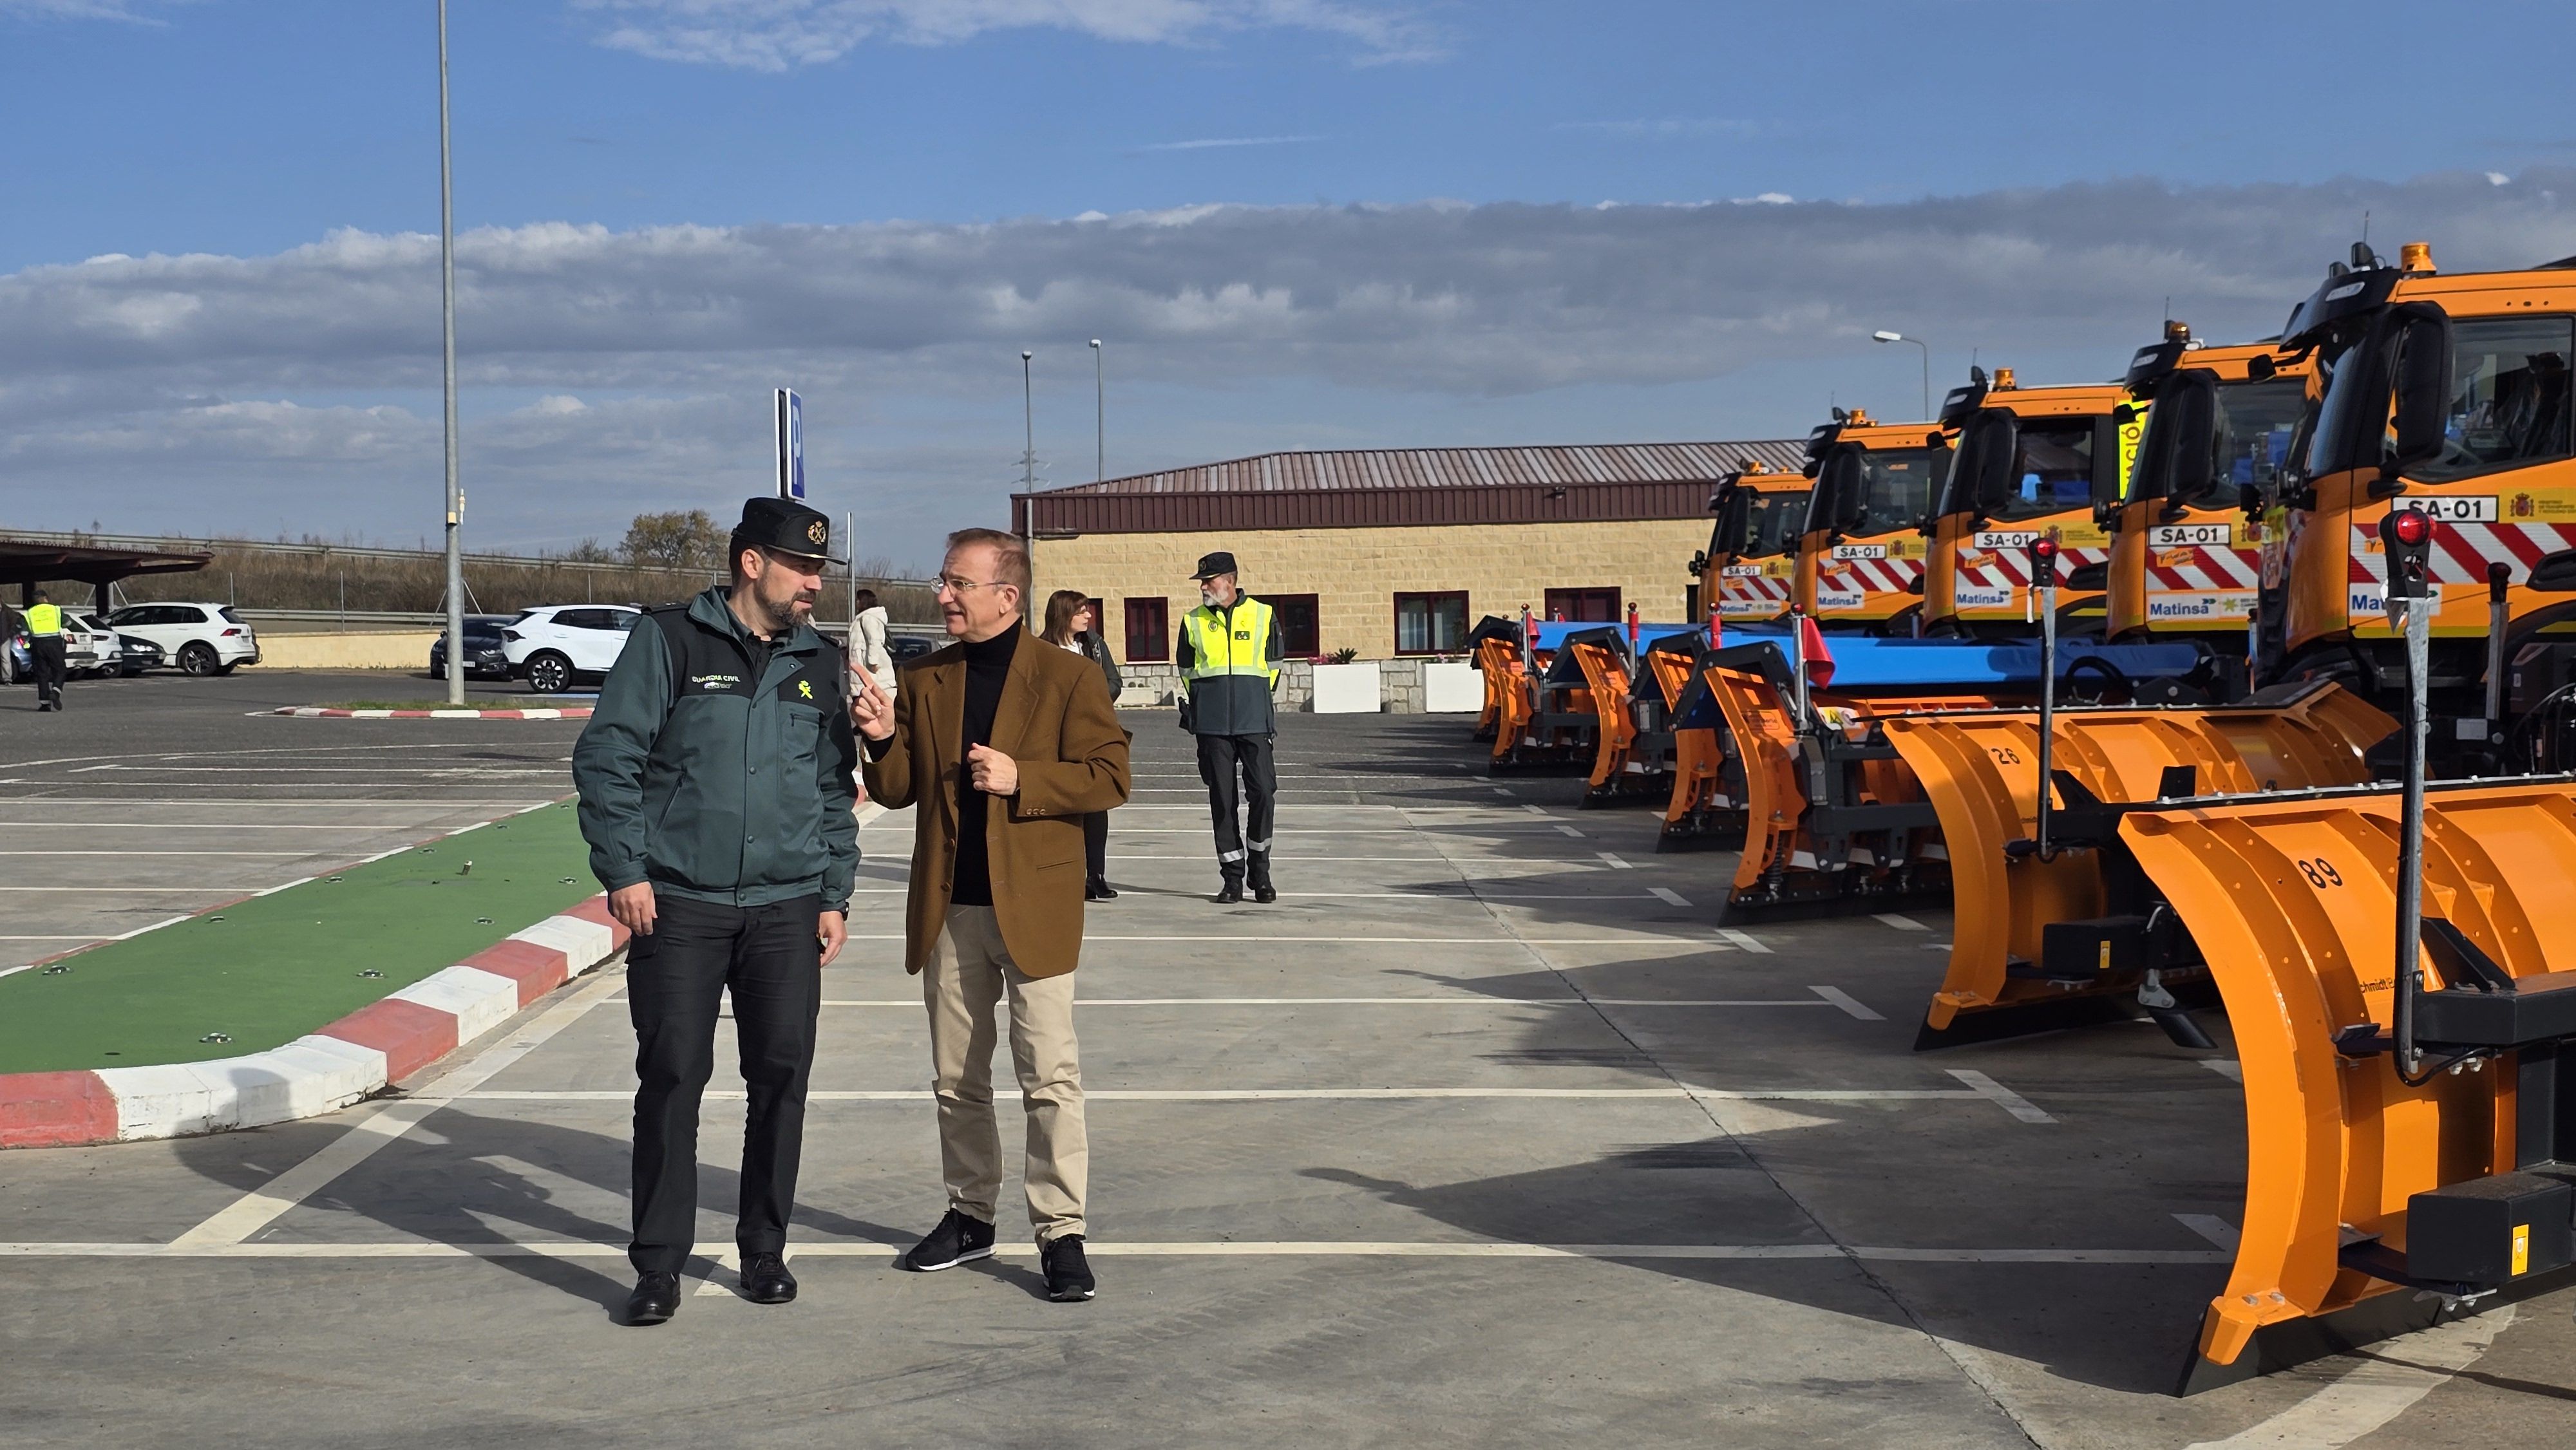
point(988, 664)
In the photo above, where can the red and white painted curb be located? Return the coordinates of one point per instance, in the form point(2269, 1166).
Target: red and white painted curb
point(351, 1059)
point(316, 712)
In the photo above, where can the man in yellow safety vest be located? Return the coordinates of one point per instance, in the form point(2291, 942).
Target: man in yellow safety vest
point(1229, 657)
point(45, 647)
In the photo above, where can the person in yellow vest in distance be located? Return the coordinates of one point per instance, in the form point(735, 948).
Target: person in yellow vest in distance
point(1229, 659)
point(45, 645)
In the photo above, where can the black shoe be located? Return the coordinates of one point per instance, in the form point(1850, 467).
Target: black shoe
point(656, 1298)
point(1099, 889)
point(1230, 892)
point(1068, 1273)
point(1263, 891)
point(959, 1239)
point(765, 1279)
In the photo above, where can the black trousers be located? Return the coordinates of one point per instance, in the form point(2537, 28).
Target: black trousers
point(1221, 759)
point(47, 650)
point(769, 958)
point(1095, 845)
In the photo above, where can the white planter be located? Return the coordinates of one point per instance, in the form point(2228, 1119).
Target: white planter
point(1452, 688)
point(1347, 689)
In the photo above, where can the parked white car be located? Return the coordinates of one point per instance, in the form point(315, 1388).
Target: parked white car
point(89, 646)
point(554, 644)
point(201, 639)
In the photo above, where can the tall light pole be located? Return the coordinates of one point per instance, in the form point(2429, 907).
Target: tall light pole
point(1029, 426)
point(1099, 414)
point(1927, 364)
point(447, 316)
point(1029, 480)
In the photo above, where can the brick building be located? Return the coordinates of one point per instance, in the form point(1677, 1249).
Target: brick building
point(1392, 552)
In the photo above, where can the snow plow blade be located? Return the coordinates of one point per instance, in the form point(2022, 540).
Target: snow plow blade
point(2375, 1204)
point(2044, 941)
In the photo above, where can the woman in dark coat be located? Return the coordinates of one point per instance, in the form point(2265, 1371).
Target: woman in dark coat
point(1071, 624)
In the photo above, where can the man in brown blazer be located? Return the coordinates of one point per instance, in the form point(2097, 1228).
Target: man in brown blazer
point(1003, 745)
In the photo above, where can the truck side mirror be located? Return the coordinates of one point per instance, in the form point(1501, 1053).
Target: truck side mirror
point(1844, 481)
point(1991, 446)
point(2423, 388)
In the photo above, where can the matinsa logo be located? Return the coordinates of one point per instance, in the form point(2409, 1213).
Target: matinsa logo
point(1974, 598)
point(714, 682)
point(2197, 606)
point(2362, 599)
point(1826, 601)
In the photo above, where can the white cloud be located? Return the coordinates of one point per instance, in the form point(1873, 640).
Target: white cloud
point(74, 10)
point(780, 35)
point(608, 368)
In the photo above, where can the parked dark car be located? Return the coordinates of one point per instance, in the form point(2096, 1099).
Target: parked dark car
point(139, 654)
point(905, 648)
point(484, 659)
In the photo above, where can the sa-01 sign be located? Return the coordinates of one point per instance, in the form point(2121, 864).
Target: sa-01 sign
point(2187, 536)
point(2480, 510)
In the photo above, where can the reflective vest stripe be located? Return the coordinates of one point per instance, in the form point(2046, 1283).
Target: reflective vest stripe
point(1242, 649)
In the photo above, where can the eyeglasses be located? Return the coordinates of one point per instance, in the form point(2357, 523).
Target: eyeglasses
point(949, 585)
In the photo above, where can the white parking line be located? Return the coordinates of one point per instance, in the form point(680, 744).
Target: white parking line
point(2211, 1227)
point(1901, 923)
point(1668, 895)
point(1364, 1094)
point(2397, 1373)
point(1613, 862)
point(1208, 1248)
point(1850, 1004)
point(2226, 1067)
point(2004, 1097)
point(1743, 939)
point(264, 1205)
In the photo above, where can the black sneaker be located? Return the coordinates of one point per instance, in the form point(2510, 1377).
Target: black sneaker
point(1068, 1273)
point(959, 1239)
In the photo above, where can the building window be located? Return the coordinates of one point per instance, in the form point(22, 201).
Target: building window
point(1429, 624)
point(1149, 631)
point(1584, 606)
point(1301, 634)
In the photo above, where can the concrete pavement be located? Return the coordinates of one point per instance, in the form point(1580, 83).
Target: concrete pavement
point(1488, 1132)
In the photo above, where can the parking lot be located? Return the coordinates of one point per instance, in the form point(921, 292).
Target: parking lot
point(162, 795)
point(1490, 1131)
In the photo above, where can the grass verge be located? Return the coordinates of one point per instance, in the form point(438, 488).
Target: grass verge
point(268, 970)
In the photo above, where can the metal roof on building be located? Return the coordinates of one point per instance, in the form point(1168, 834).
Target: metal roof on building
point(1358, 488)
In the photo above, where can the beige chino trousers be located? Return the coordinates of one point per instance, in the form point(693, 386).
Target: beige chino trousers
point(969, 971)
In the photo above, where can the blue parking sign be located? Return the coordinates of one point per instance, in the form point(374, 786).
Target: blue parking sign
point(791, 445)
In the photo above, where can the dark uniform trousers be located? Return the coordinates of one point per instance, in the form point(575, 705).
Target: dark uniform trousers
point(768, 957)
point(1221, 759)
point(48, 652)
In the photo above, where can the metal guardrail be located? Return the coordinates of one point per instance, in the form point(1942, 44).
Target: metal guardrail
point(168, 544)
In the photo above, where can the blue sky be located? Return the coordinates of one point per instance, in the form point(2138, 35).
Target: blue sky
point(682, 201)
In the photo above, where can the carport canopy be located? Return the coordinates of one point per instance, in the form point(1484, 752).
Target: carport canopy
point(26, 564)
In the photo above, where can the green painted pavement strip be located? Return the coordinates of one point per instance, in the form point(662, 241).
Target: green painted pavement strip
point(269, 970)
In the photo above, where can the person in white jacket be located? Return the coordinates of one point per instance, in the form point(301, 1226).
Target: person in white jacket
point(868, 641)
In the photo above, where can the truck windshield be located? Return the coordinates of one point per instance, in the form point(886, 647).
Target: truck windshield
point(1777, 517)
point(1903, 483)
point(2510, 398)
point(2054, 471)
point(2250, 444)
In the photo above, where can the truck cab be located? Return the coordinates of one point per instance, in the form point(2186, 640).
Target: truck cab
point(2451, 394)
point(2197, 518)
point(2029, 463)
point(1860, 549)
point(1744, 574)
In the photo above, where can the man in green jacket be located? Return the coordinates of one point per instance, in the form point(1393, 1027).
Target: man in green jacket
point(717, 798)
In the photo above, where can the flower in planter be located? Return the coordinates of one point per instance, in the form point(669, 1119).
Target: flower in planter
point(1342, 656)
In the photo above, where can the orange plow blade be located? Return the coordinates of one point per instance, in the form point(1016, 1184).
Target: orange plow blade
point(2377, 1200)
point(2039, 939)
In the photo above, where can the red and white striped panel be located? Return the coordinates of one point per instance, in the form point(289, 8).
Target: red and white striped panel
point(1751, 590)
point(2203, 569)
point(1871, 576)
point(2461, 552)
point(2010, 568)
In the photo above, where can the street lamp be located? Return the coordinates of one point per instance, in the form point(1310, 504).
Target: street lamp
point(447, 315)
point(1099, 415)
point(1029, 423)
point(1884, 336)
